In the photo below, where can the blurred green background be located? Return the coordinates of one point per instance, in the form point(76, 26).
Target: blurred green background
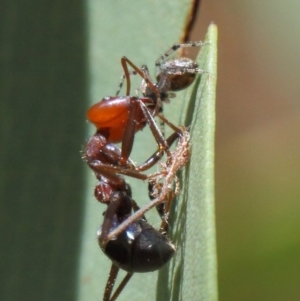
point(257, 147)
point(43, 92)
point(46, 85)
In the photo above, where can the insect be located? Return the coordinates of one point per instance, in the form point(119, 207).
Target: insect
point(117, 119)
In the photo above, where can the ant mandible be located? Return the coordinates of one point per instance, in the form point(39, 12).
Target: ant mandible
point(117, 120)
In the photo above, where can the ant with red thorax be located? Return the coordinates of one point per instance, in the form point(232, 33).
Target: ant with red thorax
point(123, 233)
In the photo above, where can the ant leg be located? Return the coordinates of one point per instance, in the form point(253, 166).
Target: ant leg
point(128, 275)
point(175, 128)
point(111, 281)
point(157, 155)
point(129, 132)
point(103, 159)
point(135, 208)
point(109, 171)
point(174, 48)
point(145, 88)
point(120, 204)
point(128, 73)
point(163, 145)
point(145, 75)
point(179, 158)
point(121, 286)
point(149, 93)
point(114, 270)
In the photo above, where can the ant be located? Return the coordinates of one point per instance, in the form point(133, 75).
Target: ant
point(117, 119)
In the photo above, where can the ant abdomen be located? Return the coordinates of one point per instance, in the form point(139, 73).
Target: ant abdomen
point(138, 249)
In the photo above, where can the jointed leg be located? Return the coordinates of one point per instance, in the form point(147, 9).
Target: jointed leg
point(121, 286)
point(142, 87)
point(128, 138)
point(110, 282)
point(176, 161)
point(125, 62)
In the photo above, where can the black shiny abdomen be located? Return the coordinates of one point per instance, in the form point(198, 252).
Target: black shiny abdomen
point(140, 249)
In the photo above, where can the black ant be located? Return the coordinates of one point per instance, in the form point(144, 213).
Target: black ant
point(117, 120)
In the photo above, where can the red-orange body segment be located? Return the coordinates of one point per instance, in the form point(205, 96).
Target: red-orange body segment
point(110, 116)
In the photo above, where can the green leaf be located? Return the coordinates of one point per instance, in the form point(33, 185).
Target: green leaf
point(192, 274)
